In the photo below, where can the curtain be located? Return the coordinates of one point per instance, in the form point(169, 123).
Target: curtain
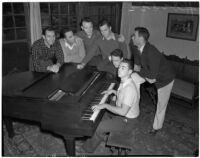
point(35, 21)
point(125, 23)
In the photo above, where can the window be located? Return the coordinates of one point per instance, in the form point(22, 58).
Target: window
point(110, 11)
point(69, 14)
point(59, 15)
point(14, 22)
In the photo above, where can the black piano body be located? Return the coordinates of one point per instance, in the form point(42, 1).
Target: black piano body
point(35, 96)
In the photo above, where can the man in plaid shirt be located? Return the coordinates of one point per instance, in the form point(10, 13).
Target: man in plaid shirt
point(46, 53)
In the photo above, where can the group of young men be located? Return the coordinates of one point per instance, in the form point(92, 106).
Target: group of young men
point(108, 52)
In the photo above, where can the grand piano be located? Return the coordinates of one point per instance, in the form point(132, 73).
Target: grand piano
point(60, 103)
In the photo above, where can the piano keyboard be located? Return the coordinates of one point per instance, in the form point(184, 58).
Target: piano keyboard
point(91, 115)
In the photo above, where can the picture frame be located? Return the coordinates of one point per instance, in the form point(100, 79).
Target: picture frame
point(182, 26)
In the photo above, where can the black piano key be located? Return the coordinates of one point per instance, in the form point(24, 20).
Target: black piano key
point(86, 116)
point(83, 118)
point(96, 100)
point(88, 112)
point(95, 103)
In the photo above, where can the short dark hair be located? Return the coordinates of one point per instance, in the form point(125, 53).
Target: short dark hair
point(64, 30)
point(86, 19)
point(129, 62)
point(49, 28)
point(117, 53)
point(104, 22)
point(142, 31)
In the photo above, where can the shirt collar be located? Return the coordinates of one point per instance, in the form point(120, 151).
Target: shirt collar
point(45, 43)
point(123, 84)
point(85, 34)
point(69, 46)
point(112, 36)
point(90, 36)
point(141, 48)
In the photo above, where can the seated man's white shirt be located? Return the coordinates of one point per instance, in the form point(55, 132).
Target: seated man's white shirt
point(127, 94)
point(138, 80)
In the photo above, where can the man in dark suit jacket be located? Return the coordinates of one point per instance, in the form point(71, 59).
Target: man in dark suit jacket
point(154, 68)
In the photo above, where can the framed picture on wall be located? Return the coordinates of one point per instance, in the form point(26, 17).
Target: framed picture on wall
point(182, 26)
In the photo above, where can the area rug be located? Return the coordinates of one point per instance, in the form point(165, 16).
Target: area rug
point(179, 137)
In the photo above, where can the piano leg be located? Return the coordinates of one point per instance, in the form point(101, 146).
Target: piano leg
point(9, 127)
point(70, 145)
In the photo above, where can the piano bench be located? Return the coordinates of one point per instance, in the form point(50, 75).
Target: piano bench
point(120, 142)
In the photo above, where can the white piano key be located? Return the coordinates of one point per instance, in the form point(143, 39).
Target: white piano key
point(103, 100)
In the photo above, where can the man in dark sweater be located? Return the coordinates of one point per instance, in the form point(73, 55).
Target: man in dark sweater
point(106, 44)
point(89, 36)
point(154, 68)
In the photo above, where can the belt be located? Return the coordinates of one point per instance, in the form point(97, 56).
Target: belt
point(129, 119)
point(125, 120)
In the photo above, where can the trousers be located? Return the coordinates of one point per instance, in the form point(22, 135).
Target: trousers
point(109, 123)
point(163, 98)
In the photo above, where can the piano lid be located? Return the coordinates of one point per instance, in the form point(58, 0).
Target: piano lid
point(29, 84)
point(18, 82)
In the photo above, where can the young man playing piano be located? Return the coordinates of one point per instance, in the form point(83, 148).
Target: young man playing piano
point(46, 53)
point(116, 57)
point(125, 111)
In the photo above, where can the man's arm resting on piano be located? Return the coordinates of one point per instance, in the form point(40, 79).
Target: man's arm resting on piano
point(54, 68)
point(123, 110)
point(81, 66)
point(89, 55)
